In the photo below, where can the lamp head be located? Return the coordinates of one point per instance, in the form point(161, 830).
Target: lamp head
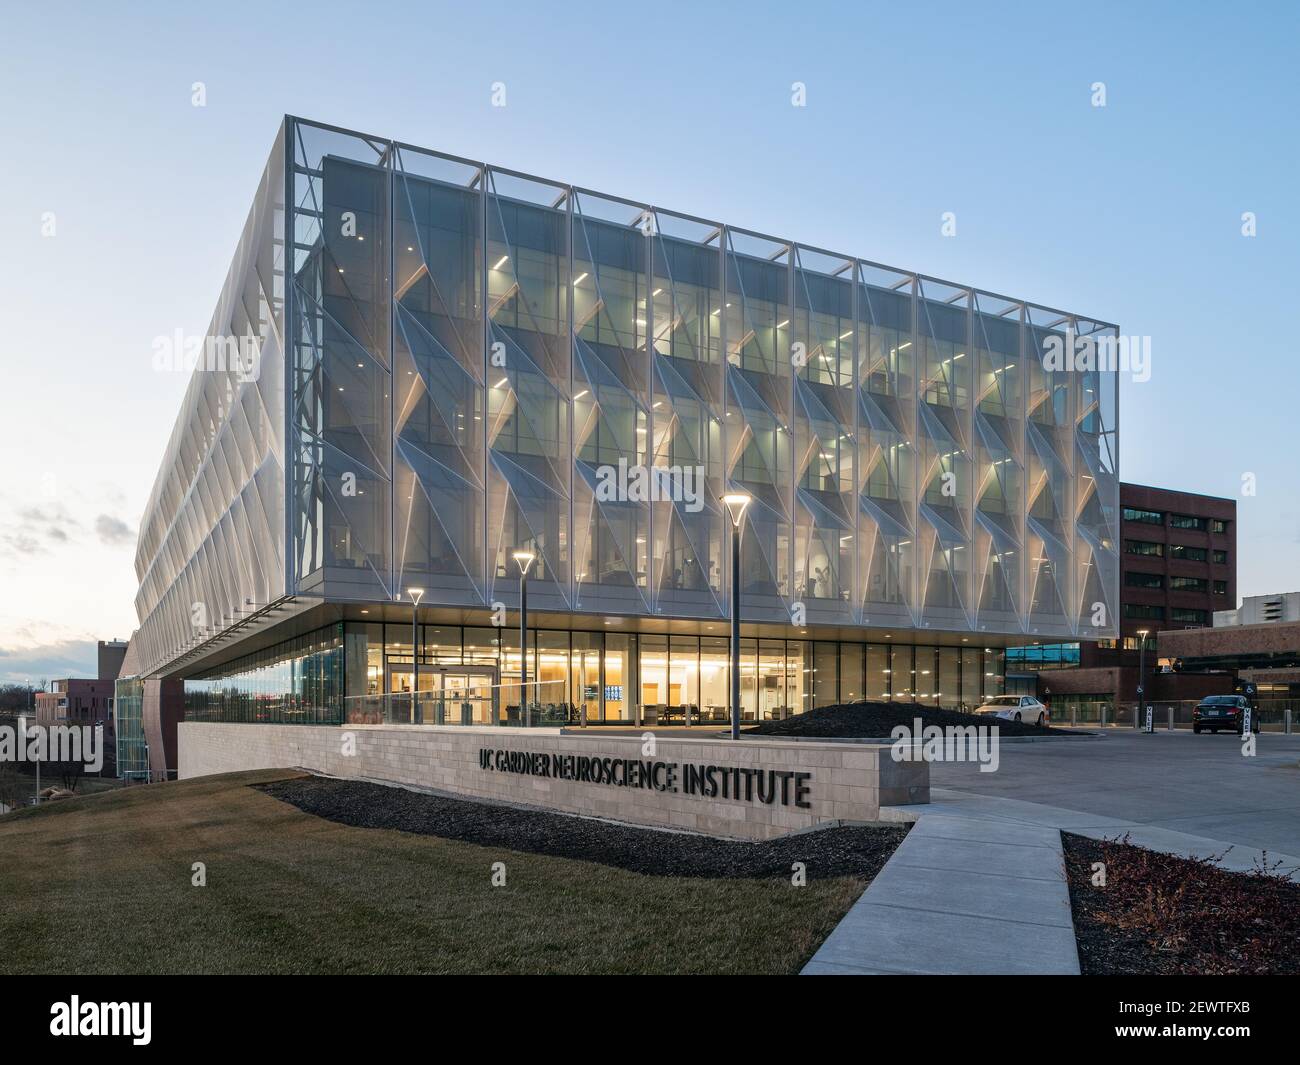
point(415, 594)
point(525, 560)
point(736, 503)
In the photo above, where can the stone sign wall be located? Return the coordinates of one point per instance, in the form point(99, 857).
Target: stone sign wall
point(749, 789)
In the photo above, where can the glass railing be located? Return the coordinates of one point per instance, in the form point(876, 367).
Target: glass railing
point(473, 704)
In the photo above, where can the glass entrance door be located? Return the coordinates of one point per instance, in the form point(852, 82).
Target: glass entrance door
point(401, 705)
point(446, 695)
point(467, 697)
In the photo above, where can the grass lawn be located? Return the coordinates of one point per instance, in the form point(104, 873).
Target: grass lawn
point(102, 884)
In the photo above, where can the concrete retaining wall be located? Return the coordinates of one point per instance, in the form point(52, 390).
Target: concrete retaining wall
point(718, 787)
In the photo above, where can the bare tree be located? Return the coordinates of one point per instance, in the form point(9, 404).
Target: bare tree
point(11, 785)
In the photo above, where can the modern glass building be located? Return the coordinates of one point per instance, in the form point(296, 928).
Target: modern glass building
point(452, 361)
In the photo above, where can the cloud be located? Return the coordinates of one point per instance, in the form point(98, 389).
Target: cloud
point(114, 531)
point(50, 661)
point(19, 543)
point(37, 530)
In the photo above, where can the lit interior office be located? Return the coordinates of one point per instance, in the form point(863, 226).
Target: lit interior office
point(582, 677)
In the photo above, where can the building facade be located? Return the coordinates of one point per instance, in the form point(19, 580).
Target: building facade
point(1261, 610)
point(76, 701)
point(1260, 656)
point(87, 702)
point(421, 364)
point(1178, 567)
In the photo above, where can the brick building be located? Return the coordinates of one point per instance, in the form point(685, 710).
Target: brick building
point(86, 701)
point(1178, 565)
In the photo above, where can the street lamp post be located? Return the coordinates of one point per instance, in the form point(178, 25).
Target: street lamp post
point(32, 692)
point(525, 561)
point(736, 503)
point(1140, 716)
point(415, 594)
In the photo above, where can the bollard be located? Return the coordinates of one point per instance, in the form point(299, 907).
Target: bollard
point(1171, 717)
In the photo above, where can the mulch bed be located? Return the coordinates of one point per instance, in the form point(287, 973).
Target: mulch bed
point(831, 852)
point(1163, 915)
point(876, 720)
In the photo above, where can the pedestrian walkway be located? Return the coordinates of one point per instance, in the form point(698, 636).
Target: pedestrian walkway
point(967, 894)
point(978, 887)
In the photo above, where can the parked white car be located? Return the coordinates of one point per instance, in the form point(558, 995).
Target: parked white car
point(1016, 708)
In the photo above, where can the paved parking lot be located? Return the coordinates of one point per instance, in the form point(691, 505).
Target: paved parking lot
point(1199, 785)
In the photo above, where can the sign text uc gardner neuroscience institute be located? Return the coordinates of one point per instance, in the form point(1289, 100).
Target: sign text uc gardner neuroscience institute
point(780, 787)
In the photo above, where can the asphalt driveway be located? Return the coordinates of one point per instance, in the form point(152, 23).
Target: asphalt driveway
point(1200, 785)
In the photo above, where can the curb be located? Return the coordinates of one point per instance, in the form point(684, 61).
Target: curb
point(889, 741)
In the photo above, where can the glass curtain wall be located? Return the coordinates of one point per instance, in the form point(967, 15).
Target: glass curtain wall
point(943, 454)
point(439, 391)
point(611, 405)
point(611, 678)
point(1050, 454)
point(998, 447)
point(887, 416)
point(759, 400)
point(473, 351)
point(128, 725)
point(299, 681)
point(528, 387)
point(454, 355)
point(341, 362)
point(684, 419)
point(825, 435)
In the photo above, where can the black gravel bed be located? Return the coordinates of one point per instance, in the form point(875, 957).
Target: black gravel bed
point(1159, 914)
point(875, 721)
point(830, 852)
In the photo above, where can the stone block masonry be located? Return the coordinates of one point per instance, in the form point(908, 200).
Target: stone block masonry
point(752, 789)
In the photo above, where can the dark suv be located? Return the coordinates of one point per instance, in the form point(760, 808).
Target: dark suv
point(1216, 712)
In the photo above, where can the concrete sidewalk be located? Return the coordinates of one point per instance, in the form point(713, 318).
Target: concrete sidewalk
point(978, 887)
point(969, 894)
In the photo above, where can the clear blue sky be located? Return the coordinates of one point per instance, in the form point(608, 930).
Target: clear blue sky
point(1129, 212)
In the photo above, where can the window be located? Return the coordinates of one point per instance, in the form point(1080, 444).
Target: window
point(1220, 587)
point(1148, 517)
point(1140, 611)
point(1218, 525)
point(1220, 558)
point(1186, 521)
point(1188, 584)
point(1144, 580)
point(1188, 616)
point(1044, 656)
point(1144, 547)
point(1187, 554)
